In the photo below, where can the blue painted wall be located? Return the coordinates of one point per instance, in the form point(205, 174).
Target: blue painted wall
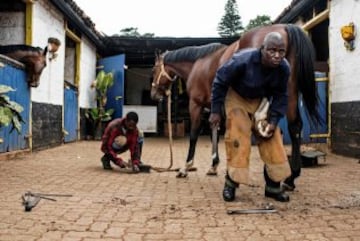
point(16, 78)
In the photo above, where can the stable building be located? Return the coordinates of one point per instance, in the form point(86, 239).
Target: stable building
point(54, 112)
point(336, 58)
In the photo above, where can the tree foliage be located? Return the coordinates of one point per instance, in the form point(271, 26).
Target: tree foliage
point(133, 32)
point(260, 20)
point(230, 24)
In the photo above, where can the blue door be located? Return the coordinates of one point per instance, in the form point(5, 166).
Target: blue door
point(312, 132)
point(16, 78)
point(70, 114)
point(319, 132)
point(115, 96)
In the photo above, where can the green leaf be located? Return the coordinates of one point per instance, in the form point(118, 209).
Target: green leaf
point(5, 98)
point(103, 82)
point(16, 107)
point(94, 114)
point(5, 89)
point(9, 110)
point(5, 116)
point(16, 124)
point(110, 111)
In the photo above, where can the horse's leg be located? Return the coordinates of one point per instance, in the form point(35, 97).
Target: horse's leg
point(214, 152)
point(294, 127)
point(195, 119)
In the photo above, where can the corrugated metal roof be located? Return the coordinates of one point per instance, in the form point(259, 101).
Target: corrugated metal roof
point(296, 8)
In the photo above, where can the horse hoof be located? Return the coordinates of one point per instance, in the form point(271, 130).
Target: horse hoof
point(212, 172)
point(189, 164)
point(181, 174)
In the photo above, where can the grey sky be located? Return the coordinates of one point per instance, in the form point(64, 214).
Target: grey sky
point(172, 18)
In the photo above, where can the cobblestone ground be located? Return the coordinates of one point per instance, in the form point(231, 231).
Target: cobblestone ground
point(111, 205)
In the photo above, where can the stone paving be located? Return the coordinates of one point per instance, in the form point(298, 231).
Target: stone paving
point(112, 205)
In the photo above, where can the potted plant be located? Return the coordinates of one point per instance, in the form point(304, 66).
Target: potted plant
point(9, 110)
point(99, 115)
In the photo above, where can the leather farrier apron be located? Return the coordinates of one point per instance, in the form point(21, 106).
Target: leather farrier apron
point(239, 127)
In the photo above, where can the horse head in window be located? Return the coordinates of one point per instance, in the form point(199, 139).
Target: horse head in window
point(34, 58)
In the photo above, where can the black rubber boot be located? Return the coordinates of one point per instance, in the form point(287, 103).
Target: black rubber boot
point(273, 189)
point(229, 189)
point(105, 160)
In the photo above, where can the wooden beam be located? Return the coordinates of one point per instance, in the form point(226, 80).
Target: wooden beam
point(28, 23)
point(72, 35)
point(316, 20)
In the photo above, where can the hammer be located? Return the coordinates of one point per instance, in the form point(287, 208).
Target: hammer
point(269, 208)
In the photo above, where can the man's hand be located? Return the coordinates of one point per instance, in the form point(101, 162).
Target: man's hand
point(119, 162)
point(265, 129)
point(214, 120)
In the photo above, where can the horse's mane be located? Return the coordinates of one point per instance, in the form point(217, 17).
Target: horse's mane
point(4, 49)
point(191, 53)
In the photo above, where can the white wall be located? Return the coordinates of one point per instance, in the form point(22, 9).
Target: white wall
point(344, 64)
point(87, 75)
point(48, 22)
point(12, 25)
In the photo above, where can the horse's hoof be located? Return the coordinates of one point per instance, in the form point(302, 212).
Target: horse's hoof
point(181, 173)
point(212, 172)
point(189, 164)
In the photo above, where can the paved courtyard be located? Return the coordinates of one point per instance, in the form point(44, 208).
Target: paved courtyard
point(112, 205)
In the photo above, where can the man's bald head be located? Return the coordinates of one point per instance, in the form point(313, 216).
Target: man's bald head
point(273, 37)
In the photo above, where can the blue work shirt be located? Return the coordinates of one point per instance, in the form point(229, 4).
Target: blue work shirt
point(250, 79)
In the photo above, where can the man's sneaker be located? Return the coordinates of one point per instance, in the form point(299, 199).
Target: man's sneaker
point(136, 168)
point(135, 165)
point(106, 163)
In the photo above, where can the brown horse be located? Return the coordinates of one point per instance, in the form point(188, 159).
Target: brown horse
point(34, 59)
point(199, 74)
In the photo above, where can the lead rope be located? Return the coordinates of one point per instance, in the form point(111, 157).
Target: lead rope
point(168, 169)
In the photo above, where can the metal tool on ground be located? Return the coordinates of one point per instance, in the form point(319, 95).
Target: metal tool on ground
point(268, 208)
point(30, 199)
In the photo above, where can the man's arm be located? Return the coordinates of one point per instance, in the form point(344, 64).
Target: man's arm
point(224, 77)
point(134, 147)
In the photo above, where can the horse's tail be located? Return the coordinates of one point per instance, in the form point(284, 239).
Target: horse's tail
point(304, 69)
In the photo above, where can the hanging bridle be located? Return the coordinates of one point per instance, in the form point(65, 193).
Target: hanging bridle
point(166, 75)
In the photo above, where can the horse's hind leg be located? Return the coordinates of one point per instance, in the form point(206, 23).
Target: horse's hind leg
point(214, 152)
point(294, 128)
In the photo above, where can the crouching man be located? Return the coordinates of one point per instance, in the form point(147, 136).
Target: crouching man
point(120, 135)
